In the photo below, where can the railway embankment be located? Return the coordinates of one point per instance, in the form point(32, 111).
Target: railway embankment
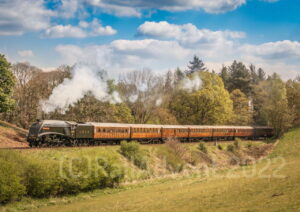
point(44, 173)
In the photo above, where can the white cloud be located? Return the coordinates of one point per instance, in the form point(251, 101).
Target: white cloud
point(280, 50)
point(187, 34)
point(19, 16)
point(84, 29)
point(61, 31)
point(213, 47)
point(133, 8)
point(126, 55)
point(25, 53)
point(68, 8)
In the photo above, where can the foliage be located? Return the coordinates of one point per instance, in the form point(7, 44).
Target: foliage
point(11, 187)
point(7, 82)
point(230, 148)
point(209, 105)
point(170, 158)
point(133, 152)
point(33, 176)
point(195, 65)
point(220, 147)
point(272, 103)
point(202, 147)
point(242, 111)
point(293, 97)
point(236, 143)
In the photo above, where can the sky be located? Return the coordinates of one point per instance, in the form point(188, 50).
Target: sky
point(125, 35)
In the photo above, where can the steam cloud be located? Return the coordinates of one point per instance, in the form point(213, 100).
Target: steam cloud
point(84, 78)
point(192, 84)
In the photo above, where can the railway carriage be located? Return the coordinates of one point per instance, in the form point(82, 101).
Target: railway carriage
point(59, 133)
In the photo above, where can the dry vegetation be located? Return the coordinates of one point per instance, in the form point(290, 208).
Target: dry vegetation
point(12, 136)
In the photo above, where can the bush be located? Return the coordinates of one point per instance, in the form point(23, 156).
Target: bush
point(22, 174)
point(249, 145)
point(172, 160)
point(237, 143)
point(133, 152)
point(202, 147)
point(220, 147)
point(10, 183)
point(230, 148)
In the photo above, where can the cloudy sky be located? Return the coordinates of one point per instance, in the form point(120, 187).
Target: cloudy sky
point(122, 35)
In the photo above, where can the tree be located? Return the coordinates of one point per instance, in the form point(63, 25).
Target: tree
point(240, 78)
point(7, 82)
point(293, 96)
point(142, 91)
point(209, 105)
point(261, 75)
point(225, 76)
point(241, 109)
point(195, 65)
point(272, 104)
point(32, 85)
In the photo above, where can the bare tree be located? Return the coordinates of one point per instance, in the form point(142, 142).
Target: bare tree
point(143, 92)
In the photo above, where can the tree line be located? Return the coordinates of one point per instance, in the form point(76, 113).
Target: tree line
point(237, 95)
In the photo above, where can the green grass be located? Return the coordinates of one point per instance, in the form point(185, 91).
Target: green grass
point(271, 185)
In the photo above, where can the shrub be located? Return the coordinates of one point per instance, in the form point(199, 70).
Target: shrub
point(178, 148)
point(237, 143)
point(10, 183)
point(133, 152)
point(172, 161)
point(249, 145)
point(220, 147)
point(230, 148)
point(202, 147)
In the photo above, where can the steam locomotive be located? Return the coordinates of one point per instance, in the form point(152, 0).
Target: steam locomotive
point(45, 133)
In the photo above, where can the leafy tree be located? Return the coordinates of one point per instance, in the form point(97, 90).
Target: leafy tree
point(209, 105)
point(7, 82)
point(241, 109)
point(293, 96)
point(240, 78)
point(195, 65)
point(272, 103)
point(225, 76)
point(261, 75)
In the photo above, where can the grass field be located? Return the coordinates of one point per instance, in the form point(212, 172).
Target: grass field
point(273, 184)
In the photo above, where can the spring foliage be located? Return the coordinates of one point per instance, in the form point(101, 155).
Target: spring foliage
point(211, 104)
point(7, 82)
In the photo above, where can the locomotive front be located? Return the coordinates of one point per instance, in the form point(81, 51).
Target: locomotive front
point(50, 132)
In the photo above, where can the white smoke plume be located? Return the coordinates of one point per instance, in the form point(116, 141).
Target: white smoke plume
point(84, 78)
point(158, 102)
point(133, 98)
point(193, 84)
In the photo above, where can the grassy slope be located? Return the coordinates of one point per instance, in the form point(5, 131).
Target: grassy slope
point(271, 185)
point(12, 136)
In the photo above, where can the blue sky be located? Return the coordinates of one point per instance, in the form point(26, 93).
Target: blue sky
point(124, 35)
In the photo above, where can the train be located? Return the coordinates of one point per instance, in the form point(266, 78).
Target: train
point(44, 133)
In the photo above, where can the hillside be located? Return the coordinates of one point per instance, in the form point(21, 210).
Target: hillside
point(12, 136)
point(273, 184)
